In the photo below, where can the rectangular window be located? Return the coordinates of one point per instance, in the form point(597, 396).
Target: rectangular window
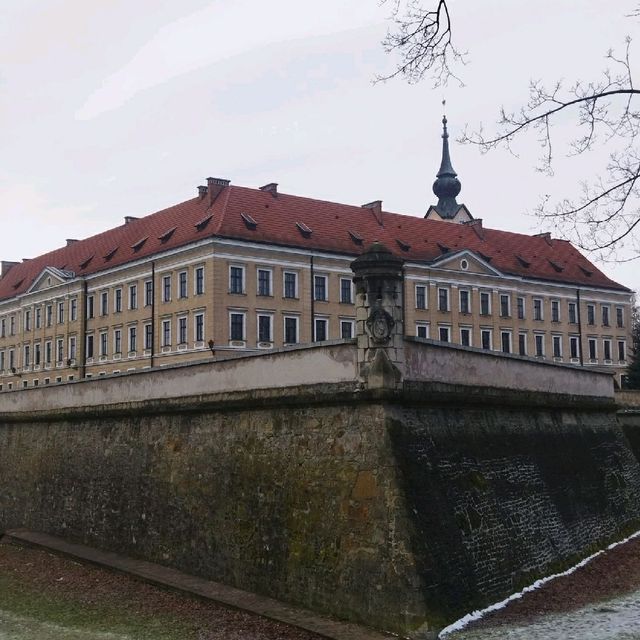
point(345, 290)
point(74, 309)
point(104, 303)
point(422, 330)
point(148, 293)
point(166, 333)
point(27, 320)
point(236, 326)
point(236, 279)
point(37, 355)
point(485, 336)
point(555, 311)
point(573, 313)
point(465, 337)
point(320, 329)
point(622, 350)
point(539, 341)
point(485, 303)
point(198, 327)
point(182, 284)
point(59, 350)
point(619, 316)
point(465, 301)
point(320, 288)
point(47, 352)
point(12, 357)
point(264, 282)
point(443, 300)
point(117, 341)
point(133, 296)
point(591, 314)
point(117, 300)
point(606, 350)
point(3, 327)
point(505, 305)
point(557, 346)
point(290, 330)
point(103, 343)
point(346, 329)
point(605, 315)
point(421, 296)
point(182, 330)
point(148, 336)
point(505, 338)
point(264, 328)
point(60, 312)
point(26, 360)
point(38, 320)
point(48, 315)
point(520, 308)
point(593, 349)
point(12, 326)
point(72, 348)
point(574, 349)
point(133, 339)
point(166, 288)
point(537, 308)
point(522, 344)
point(444, 334)
point(290, 284)
point(199, 281)
point(1, 360)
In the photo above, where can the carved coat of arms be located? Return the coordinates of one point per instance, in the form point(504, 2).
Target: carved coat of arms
point(380, 323)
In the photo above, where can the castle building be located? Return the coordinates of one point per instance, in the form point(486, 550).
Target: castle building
point(237, 268)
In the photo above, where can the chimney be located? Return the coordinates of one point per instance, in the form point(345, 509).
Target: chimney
point(546, 236)
point(71, 241)
point(129, 219)
point(215, 186)
point(476, 225)
point(202, 191)
point(6, 266)
point(271, 188)
point(376, 209)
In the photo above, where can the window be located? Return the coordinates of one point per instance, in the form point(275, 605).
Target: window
point(485, 336)
point(539, 342)
point(117, 341)
point(3, 327)
point(346, 329)
point(522, 344)
point(236, 279)
point(264, 328)
point(485, 303)
point(606, 350)
point(26, 359)
point(505, 305)
point(320, 288)
point(537, 308)
point(421, 296)
point(47, 353)
point(148, 336)
point(520, 308)
point(443, 299)
point(345, 290)
point(133, 296)
point(133, 339)
point(622, 351)
point(198, 327)
point(444, 334)
point(1, 360)
point(182, 330)
point(182, 284)
point(37, 354)
point(60, 312)
point(59, 350)
point(574, 348)
point(290, 330)
point(166, 333)
point(290, 284)
point(199, 281)
point(555, 311)
point(72, 348)
point(465, 337)
point(148, 293)
point(264, 282)
point(12, 326)
point(591, 314)
point(505, 339)
point(104, 303)
point(48, 316)
point(103, 343)
point(422, 330)
point(593, 349)
point(27, 320)
point(74, 309)
point(465, 301)
point(619, 316)
point(320, 329)
point(573, 313)
point(117, 300)
point(236, 326)
point(605, 315)
point(557, 346)
point(166, 288)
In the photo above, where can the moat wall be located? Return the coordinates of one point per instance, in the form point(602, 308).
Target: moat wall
point(399, 508)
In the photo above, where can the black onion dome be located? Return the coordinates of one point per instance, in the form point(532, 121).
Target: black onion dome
point(447, 186)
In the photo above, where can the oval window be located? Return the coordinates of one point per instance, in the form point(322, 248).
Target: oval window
point(464, 265)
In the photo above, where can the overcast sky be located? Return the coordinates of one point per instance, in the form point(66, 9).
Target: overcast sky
point(114, 107)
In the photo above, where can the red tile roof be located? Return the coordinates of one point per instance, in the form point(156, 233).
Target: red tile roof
point(311, 224)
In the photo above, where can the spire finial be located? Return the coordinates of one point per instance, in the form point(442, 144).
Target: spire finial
point(447, 186)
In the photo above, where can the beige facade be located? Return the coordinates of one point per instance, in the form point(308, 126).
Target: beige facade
point(203, 300)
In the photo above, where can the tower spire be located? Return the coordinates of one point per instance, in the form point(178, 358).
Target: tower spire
point(447, 186)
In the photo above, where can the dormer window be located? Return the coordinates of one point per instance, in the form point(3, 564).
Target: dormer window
point(523, 263)
point(167, 234)
point(85, 263)
point(356, 237)
point(203, 223)
point(249, 222)
point(403, 245)
point(304, 230)
point(107, 256)
point(136, 246)
point(556, 267)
